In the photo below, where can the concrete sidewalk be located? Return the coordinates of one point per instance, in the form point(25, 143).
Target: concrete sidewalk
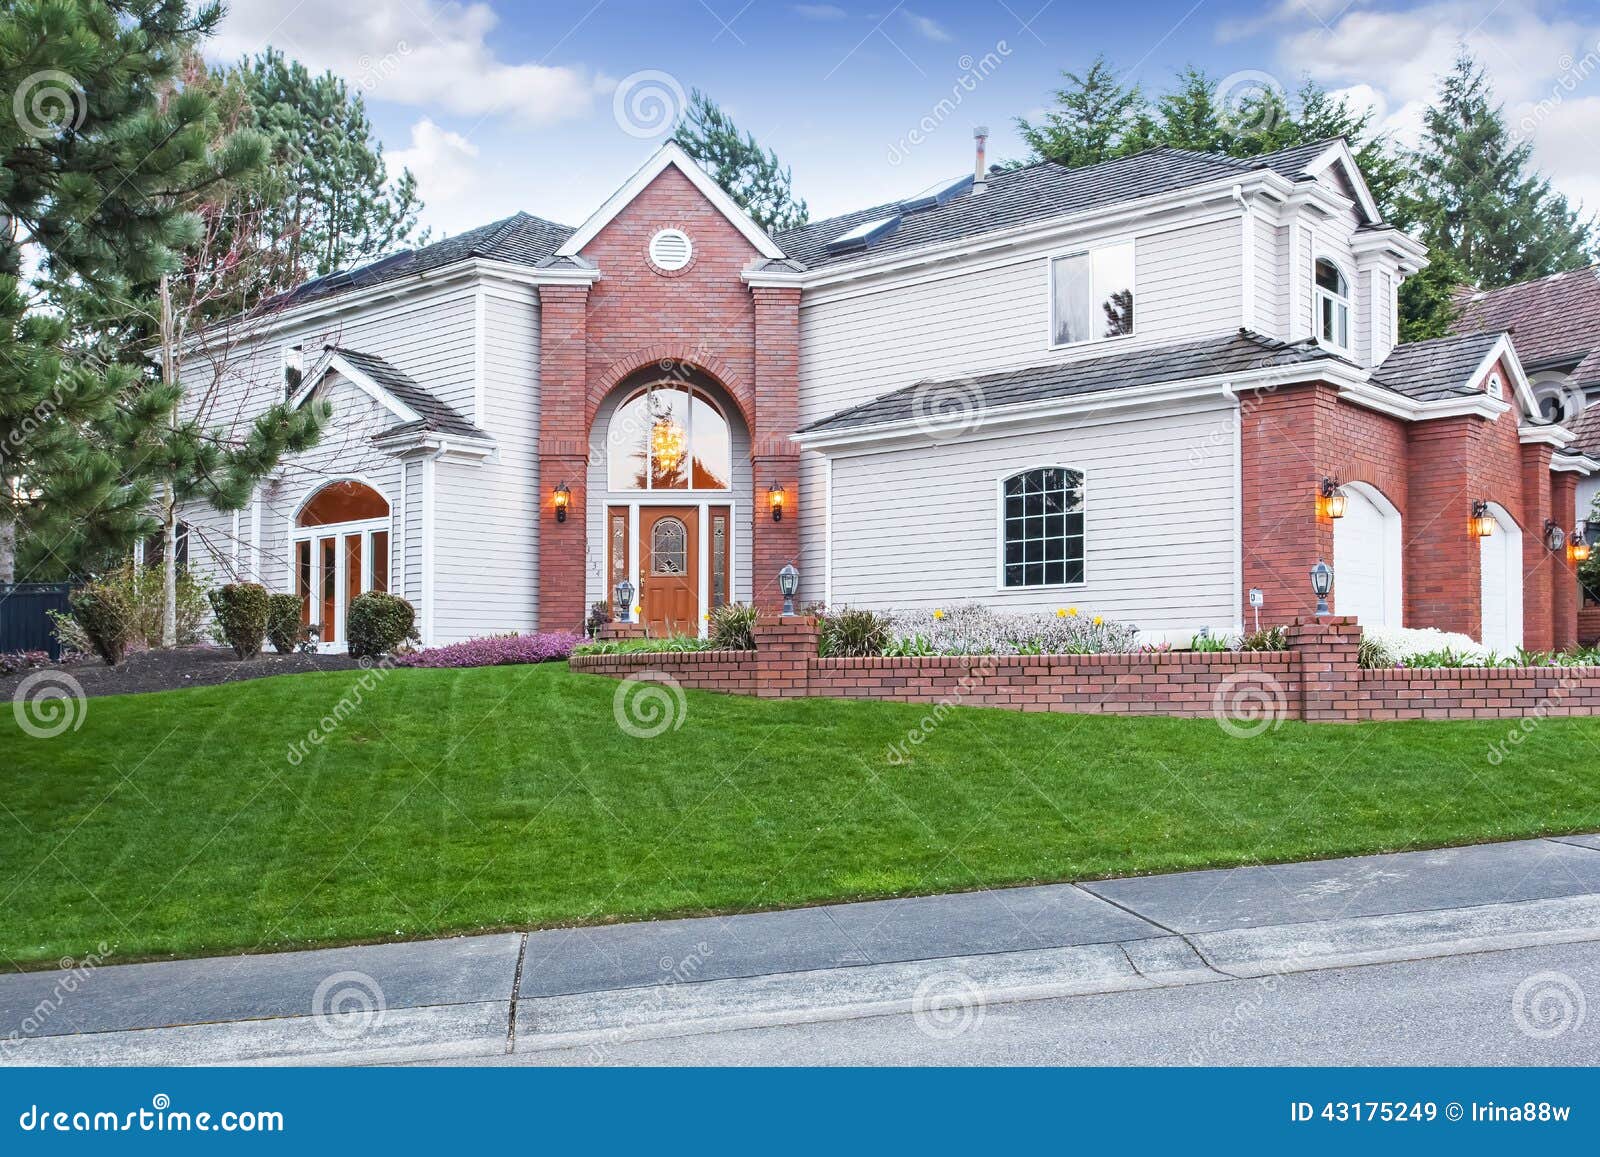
point(489, 995)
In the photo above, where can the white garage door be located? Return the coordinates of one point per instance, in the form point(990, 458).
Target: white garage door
point(1501, 556)
point(1366, 559)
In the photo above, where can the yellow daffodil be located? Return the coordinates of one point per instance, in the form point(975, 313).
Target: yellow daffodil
point(1073, 611)
point(1098, 620)
point(1061, 612)
point(938, 614)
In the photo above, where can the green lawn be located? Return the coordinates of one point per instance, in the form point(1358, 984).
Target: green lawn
point(508, 797)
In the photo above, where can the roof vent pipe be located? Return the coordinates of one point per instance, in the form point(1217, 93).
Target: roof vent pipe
point(980, 171)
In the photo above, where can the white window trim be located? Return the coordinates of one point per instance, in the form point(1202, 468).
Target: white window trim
point(1050, 291)
point(1000, 529)
point(687, 491)
point(1348, 301)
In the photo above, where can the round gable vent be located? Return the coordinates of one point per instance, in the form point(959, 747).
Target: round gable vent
point(670, 249)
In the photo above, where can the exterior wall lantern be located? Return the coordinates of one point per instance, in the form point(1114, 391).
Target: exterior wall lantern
point(1332, 499)
point(1578, 548)
point(624, 593)
point(561, 496)
point(1322, 586)
point(1554, 537)
point(1481, 525)
point(788, 584)
point(775, 497)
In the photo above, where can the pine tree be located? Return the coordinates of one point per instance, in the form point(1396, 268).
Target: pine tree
point(90, 169)
point(753, 177)
point(1476, 198)
point(1095, 117)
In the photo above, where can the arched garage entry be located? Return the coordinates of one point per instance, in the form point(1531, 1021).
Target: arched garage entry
point(1366, 558)
point(1500, 554)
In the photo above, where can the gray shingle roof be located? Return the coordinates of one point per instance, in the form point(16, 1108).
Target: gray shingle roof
point(435, 415)
point(1036, 193)
point(1229, 354)
point(1555, 320)
point(1437, 368)
point(521, 239)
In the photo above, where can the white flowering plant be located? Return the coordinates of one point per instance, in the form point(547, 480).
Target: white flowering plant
point(1429, 647)
point(973, 629)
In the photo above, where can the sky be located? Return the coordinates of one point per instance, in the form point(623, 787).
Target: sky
point(497, 106)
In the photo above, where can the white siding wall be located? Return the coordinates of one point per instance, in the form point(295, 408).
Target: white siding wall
point(486, 517)
point(919, 526)
point(981, 316)
point(1271, 283)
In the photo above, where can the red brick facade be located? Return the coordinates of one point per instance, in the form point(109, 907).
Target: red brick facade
point(1431, 471)
point(640, 319)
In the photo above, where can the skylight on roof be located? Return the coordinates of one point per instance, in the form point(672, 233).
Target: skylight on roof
point(864, 234)
point(937, 193)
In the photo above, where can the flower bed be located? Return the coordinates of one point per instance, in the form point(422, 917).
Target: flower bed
point(971, 630)
point(495, 651)
point(1428, 648)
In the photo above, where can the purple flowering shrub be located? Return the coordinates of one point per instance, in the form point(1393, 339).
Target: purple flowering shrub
point(495, 651)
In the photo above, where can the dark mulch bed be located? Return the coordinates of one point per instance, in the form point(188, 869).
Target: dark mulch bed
point(185, 667)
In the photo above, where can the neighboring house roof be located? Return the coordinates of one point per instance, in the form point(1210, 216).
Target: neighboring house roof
point(521, 239)
point(1230, 354)
point(430, 412)
point(1555, 320)
point(1440, 367)
point(1587, 433)
point(1038, 192)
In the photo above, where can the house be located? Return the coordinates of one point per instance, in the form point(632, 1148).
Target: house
point(1159, 389)
point(1556, 324)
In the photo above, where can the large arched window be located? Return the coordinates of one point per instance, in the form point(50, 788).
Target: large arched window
point(342, 502)
point(669, 437)
point(1041, 533)
point(341, 548)
point(1333, 305)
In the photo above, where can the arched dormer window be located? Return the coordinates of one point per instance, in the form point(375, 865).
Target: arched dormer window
point(1333, 305)
point(669, 437)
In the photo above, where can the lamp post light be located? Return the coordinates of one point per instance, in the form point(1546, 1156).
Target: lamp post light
point(788, 584)
point(1322, 585)
point(624, 595)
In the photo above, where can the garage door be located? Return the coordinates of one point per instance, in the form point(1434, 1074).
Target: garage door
point(1366, 559)
point(1501, 556)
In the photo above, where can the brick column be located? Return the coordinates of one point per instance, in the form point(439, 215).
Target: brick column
point(1442, 568)
point(1328, 650)
point(785, 647)
point(773, 456)
point(1564, 573)
point(563, 453)
point(1542, 570)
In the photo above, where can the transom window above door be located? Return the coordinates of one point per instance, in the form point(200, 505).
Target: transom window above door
point(669, 437)
point(1041, 536)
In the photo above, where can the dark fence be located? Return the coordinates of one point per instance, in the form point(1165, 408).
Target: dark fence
point(25, 616)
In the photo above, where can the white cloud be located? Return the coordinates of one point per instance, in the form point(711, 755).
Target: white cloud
point(443, 164)
point(820, 11)
point(438, 53)
point(926, 26)
point(1544, 66)
point(1286, 12)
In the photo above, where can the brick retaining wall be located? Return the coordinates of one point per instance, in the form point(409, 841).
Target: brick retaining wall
point(1317, 680)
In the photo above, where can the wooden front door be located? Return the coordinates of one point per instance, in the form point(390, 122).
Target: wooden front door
point(669, 574)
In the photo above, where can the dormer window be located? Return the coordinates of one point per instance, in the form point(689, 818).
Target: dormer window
point(294, 367)
point(1333, 306)
point(1091, 295)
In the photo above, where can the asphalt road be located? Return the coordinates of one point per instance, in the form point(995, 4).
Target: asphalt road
point(1519, 1007)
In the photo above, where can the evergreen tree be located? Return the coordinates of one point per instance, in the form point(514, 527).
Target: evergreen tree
point(1487, 218)
point(1095, 117)
point(90, 173)
point(753, 177)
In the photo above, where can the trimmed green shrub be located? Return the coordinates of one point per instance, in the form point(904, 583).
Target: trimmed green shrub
point(377, 623)
point(283, 622)
point(107, 617)
point(852, 633)
point(733, 627)
point(241, 610)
